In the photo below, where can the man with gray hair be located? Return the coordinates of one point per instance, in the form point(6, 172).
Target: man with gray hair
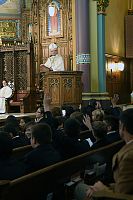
point(54, 62)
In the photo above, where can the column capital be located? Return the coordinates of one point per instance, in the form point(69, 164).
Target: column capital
point(101, 6)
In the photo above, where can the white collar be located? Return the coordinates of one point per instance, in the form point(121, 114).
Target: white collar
point(110, 132)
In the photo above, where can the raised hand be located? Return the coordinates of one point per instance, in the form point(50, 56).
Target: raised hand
point(47, 101)
point(87, 122)
point(114, 100)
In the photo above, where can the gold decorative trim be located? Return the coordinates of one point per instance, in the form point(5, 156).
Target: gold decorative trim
point(98, 96)
point(101, 6)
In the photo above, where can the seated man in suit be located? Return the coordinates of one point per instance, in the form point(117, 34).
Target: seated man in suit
point(43, 153)
point(122, 163)
point(55, 61)
point(5, 92)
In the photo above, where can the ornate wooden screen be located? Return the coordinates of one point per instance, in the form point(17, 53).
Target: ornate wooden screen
point(21, 70)
point(15, 66)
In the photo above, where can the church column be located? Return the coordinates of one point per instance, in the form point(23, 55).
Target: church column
point(82, 41)
point(101, 7)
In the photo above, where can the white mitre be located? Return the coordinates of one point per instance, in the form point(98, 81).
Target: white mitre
point(53, 46)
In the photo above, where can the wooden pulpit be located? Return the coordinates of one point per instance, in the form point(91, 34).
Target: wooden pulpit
point(65, 87)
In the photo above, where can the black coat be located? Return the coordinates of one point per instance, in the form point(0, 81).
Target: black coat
point(10, 169)
point(70, 147)
point(113, 136)
point(40, 157)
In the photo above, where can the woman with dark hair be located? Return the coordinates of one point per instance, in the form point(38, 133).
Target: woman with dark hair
point(11, 119)
point(23, 121)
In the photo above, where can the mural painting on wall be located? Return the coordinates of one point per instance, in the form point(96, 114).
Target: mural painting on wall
point(10, 29)
point(54, 20)
point(10, 8)
point(10, 19)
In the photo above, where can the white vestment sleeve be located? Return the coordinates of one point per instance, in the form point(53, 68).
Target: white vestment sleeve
point(48, 63)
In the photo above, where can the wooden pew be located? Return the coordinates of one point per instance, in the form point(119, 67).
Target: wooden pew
point(34, 185)
point(19, 152)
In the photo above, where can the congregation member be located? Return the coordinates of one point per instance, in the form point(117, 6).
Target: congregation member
point(9, 168)
point(122, 164)
point(99, 133)
point(17, 138)
point(112, 123)
point(23, 121)
point(43, 113)
point(43, 153)
point(27, 130)
point(80, 117)
point(69, 145)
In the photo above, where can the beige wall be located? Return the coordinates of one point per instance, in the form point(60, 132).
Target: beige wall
point(114, 27)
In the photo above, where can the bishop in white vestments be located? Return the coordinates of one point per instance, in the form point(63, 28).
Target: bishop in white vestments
point(55, 62)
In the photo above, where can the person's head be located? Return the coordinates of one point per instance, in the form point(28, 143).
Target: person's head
point(69, 110)
point(53, 49)
point(40, 112)
point(56, 111)
point(97, 115)
point(6, 145)
point(11, 130)
point(99, 129)
point(40, 134)
point(126, 125)
point(112, 123)
point(4, 83)
point(27, 128)
point(58, 122)
point(78, 116)
point(87, 110)
point(23, 121)
point(72, 128)
point(11, 119)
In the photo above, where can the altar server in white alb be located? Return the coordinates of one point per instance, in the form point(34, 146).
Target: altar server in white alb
point(5, 93)
point(55, 62)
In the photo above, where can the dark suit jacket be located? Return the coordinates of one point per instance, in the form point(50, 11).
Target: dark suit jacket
point(113, 137)
point(123, 169)
point(19, 141)
point(70, 147)
point(100, 143)
point(40, 157)
point(10, 169)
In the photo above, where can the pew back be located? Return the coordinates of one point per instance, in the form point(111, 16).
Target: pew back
point(35, 185)
point(19, 152)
